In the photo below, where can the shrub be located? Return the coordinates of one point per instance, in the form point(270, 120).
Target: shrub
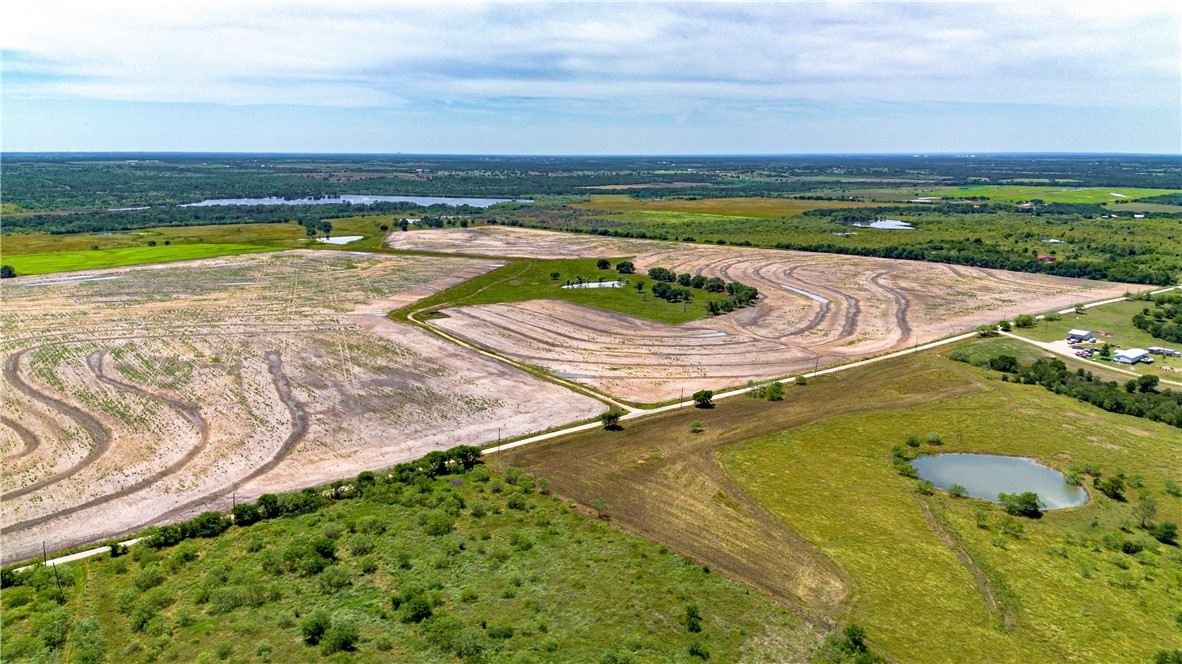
point(500, 631)
point(905, 469)
point(1025, 504)
point(925, 487)
point(313, 627)
point(246, 514)
point(342, 635)
point(334, 578)
point(1165, 532)
point(698, 650)
point(1173, 488)
point(438, 523)
point(774, 392)
point(911, 439)
point(360, 544)
point(957, 491)
point(414, 610)
point(516, 501)
point(933, 438)
point(149, 577)
point(693, 618)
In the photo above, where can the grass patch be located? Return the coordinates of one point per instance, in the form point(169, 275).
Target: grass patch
point(69, 261)
point(489, 560)
point(910, 585)
point(819, 464)
point(532, 279)
point(1052, 193)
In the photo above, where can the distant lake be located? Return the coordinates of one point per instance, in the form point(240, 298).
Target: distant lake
point(358, 199)
point(985, 475)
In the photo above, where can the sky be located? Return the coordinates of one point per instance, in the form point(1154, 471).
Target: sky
point(592, 78)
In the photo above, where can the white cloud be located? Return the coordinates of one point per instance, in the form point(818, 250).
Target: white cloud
point(380, 54)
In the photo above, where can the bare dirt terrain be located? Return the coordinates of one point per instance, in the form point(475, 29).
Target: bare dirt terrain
point(815, 310)
point(135, 395)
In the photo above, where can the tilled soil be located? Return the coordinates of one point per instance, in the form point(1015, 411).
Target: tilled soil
point(141, 395)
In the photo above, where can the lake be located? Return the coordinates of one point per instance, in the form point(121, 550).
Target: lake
point(357, 199)
point(986, 475)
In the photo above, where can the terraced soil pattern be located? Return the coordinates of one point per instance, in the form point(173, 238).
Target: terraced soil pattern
point(137, 395)
point(815, 310)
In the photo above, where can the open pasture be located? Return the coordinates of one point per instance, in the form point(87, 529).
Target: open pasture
point(815, 310)
point(135, 395)
point(759, 208)
point(799, 499)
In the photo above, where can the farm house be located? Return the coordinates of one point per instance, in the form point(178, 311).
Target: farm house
point(1132, 356)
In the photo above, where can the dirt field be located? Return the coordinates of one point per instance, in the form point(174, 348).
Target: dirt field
point(815, 310)
point(140, 394)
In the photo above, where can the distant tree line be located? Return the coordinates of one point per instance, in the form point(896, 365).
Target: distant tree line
point(100, 222)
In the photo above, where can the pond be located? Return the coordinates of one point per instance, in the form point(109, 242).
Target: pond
point(356, 199)
point(596, 284)
point(986, 475)
point(340, 239)
point(885, 224)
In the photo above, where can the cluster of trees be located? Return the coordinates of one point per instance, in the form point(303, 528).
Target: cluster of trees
point(739, 294)
point(322, 228)
point(1138, 397)
point(1162, 321)
point(270, 506)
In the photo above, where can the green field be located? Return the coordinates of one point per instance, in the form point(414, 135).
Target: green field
point(41, 253)
point(69, 261)
point(510, 575)
point(530, 279)
point(820, 463)
point(1067, 596)
point(1052, 194)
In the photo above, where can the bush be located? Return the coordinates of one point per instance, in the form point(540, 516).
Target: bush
point(246, 514)
point(1026, 504)
point(438, 523)
point(335, 578)
point(313, 627)
point(698, 650)
point(1173, 488)
point(500, 631)
point(342, 635)
point(693, 618)
point(933, 438)
point(1166, 532)
point(911, 439)
point(414, 610)
point(957, 491)
point(774, 391)
point(925, 487)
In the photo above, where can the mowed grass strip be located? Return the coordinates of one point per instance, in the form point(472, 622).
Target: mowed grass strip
point(832, 482)
point(71, 261)
point(1051, 193)
point(532, 279)
point(759, 208)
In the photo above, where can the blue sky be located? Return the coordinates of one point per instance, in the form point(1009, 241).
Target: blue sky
point(578, 78)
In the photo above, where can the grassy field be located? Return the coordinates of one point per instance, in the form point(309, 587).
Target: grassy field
point(42, 253)
point(1052, 193)
point(757, 208)
point(530, 279)
point(509, 575)
point(69, 261)
point(819, 464)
